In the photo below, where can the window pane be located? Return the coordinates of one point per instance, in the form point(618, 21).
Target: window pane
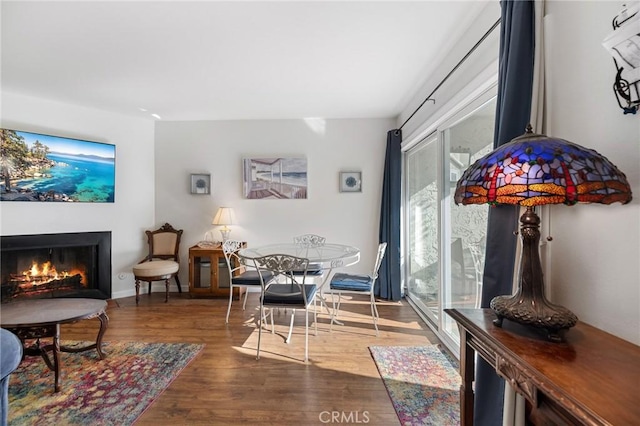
point(466, 142)
point(423, 225)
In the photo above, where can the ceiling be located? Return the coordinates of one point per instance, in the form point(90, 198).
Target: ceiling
point(211, 60)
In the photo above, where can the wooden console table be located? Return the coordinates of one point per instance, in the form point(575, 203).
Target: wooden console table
point(591, 378)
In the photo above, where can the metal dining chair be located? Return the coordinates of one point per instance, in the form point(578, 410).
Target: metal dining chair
point(342, 283)
point(239, 276)
point(291, 293)
point(315, 271)
point(311, 241)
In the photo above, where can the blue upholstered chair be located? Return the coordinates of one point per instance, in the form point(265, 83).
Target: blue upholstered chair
point(10, 357)
point(246, 279)
point(285, 291)
point(357, 284)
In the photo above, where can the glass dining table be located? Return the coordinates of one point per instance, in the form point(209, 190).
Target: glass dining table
point(326, 257)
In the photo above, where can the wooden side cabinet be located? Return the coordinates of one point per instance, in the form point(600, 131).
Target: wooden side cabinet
point(208, 272)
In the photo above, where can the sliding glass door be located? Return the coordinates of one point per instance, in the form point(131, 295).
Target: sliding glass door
point(465, 226)
point(422, 230)
point(444, 243)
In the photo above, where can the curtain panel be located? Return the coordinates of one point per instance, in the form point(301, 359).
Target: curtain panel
point(388, 284)
point(513, 110)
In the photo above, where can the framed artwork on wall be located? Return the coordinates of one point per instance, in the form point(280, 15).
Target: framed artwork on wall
point(200, 184)
point(275, 178)
point(350, 181)
point(40, 167)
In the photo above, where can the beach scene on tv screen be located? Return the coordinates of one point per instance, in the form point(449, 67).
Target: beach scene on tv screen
point(38, 167)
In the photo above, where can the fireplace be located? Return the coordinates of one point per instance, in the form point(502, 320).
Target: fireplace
point(56, 265)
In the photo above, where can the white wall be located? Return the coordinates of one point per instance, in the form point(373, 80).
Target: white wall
point(218, 147)
point(133, 210)
point(595, 252)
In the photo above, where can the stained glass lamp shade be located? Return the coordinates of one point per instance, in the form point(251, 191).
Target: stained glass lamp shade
point(534, 170)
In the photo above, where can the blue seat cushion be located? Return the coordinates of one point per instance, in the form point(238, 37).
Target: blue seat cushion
point(316, 273)
point(313, 269)
point(288, 294)
point(349, 282)
point(252, 278)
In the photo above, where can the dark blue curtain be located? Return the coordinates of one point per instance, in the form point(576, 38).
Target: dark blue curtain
point(388, 284)
point(515, 82)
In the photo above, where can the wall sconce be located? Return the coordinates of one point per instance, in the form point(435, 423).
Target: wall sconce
point(624, 45)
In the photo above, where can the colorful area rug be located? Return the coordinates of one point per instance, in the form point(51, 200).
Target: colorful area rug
point(112, 391)
point(423, 383)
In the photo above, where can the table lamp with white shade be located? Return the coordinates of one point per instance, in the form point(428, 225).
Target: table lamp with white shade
point(224, 216)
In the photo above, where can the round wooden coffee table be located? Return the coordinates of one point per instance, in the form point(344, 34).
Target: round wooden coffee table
point(41, 318)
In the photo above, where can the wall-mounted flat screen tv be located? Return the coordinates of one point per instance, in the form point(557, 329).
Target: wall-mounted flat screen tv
point(38, 167)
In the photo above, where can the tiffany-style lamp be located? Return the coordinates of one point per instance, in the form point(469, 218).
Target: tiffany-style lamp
point(533, 170)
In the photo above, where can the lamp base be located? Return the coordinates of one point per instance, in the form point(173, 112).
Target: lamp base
point(529, 306)
point(552, 318)
point(225, 233)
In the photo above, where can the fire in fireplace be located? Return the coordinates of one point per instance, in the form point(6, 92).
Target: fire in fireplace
point(56, 265)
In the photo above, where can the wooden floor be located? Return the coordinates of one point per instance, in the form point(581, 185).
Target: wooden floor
point(225, 384)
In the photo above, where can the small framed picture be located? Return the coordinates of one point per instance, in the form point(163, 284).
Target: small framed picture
point(350, 181)
point(200, 184)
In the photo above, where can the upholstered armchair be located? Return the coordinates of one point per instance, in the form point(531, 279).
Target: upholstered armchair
point(10, 357)
point(162, 262)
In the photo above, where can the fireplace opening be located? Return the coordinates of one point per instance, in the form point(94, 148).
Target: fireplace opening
point(56, 265)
